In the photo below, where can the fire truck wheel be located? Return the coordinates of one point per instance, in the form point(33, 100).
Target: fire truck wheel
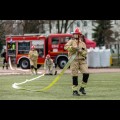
point(24, 63)
point(62, 62)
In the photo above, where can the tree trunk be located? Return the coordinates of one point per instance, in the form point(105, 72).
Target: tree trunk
point(58, 24)
point(50, 26)
point(70, 24)
point(62, 26)
point(66, 24)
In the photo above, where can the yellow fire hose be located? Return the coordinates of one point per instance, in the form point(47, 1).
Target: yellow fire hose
point(52, 83)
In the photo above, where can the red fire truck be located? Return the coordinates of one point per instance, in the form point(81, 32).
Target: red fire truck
point(18, 47)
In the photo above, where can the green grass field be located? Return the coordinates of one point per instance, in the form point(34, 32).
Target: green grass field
point(102, 86)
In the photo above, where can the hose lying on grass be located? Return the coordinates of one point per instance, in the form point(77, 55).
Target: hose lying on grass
point(15, 85)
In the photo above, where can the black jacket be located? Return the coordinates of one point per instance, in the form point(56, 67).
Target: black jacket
point(3, 54)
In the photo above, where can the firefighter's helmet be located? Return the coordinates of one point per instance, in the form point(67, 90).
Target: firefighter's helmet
point(32, 47)
point(48, 56)
point(77, 31)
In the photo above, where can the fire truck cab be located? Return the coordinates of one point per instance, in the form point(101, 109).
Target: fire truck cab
point(56, 50)
point(18, 47)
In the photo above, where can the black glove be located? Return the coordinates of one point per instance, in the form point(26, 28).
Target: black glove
point(83, 48)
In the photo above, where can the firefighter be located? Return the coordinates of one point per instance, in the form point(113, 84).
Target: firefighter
point(33, 56)
point(5, 62)
point(49, 66)
point(76, 45)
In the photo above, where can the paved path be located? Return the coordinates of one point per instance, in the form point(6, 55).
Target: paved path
point(40, 71)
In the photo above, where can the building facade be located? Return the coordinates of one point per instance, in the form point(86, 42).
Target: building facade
point(85, 26)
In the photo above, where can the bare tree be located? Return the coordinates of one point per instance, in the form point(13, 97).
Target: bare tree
point(2, 35)
point(31, 26)
point(64, 25)
point(8, 26)
point(70, 24)
point(58, 26)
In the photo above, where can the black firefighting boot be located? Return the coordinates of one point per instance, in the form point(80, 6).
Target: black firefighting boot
point(75, 93)
point(3, 67)
point(32, 69)
point(84, 82)
point(50, 74)
point(7, 67)
point(36, 71)
point(75, 84)
point(82, 90)
point(55, 73)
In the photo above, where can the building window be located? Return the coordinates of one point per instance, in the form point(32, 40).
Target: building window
point(56, 26)
point(71, 28)
point(93, 35)
point(86, 34)
point(115, 21)
point(110, 46)
point(85, 23)
point(78, 24)
point(93, 22)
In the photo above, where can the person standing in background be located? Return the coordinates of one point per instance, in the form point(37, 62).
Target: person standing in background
point(33, 56)
point(5, 62)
